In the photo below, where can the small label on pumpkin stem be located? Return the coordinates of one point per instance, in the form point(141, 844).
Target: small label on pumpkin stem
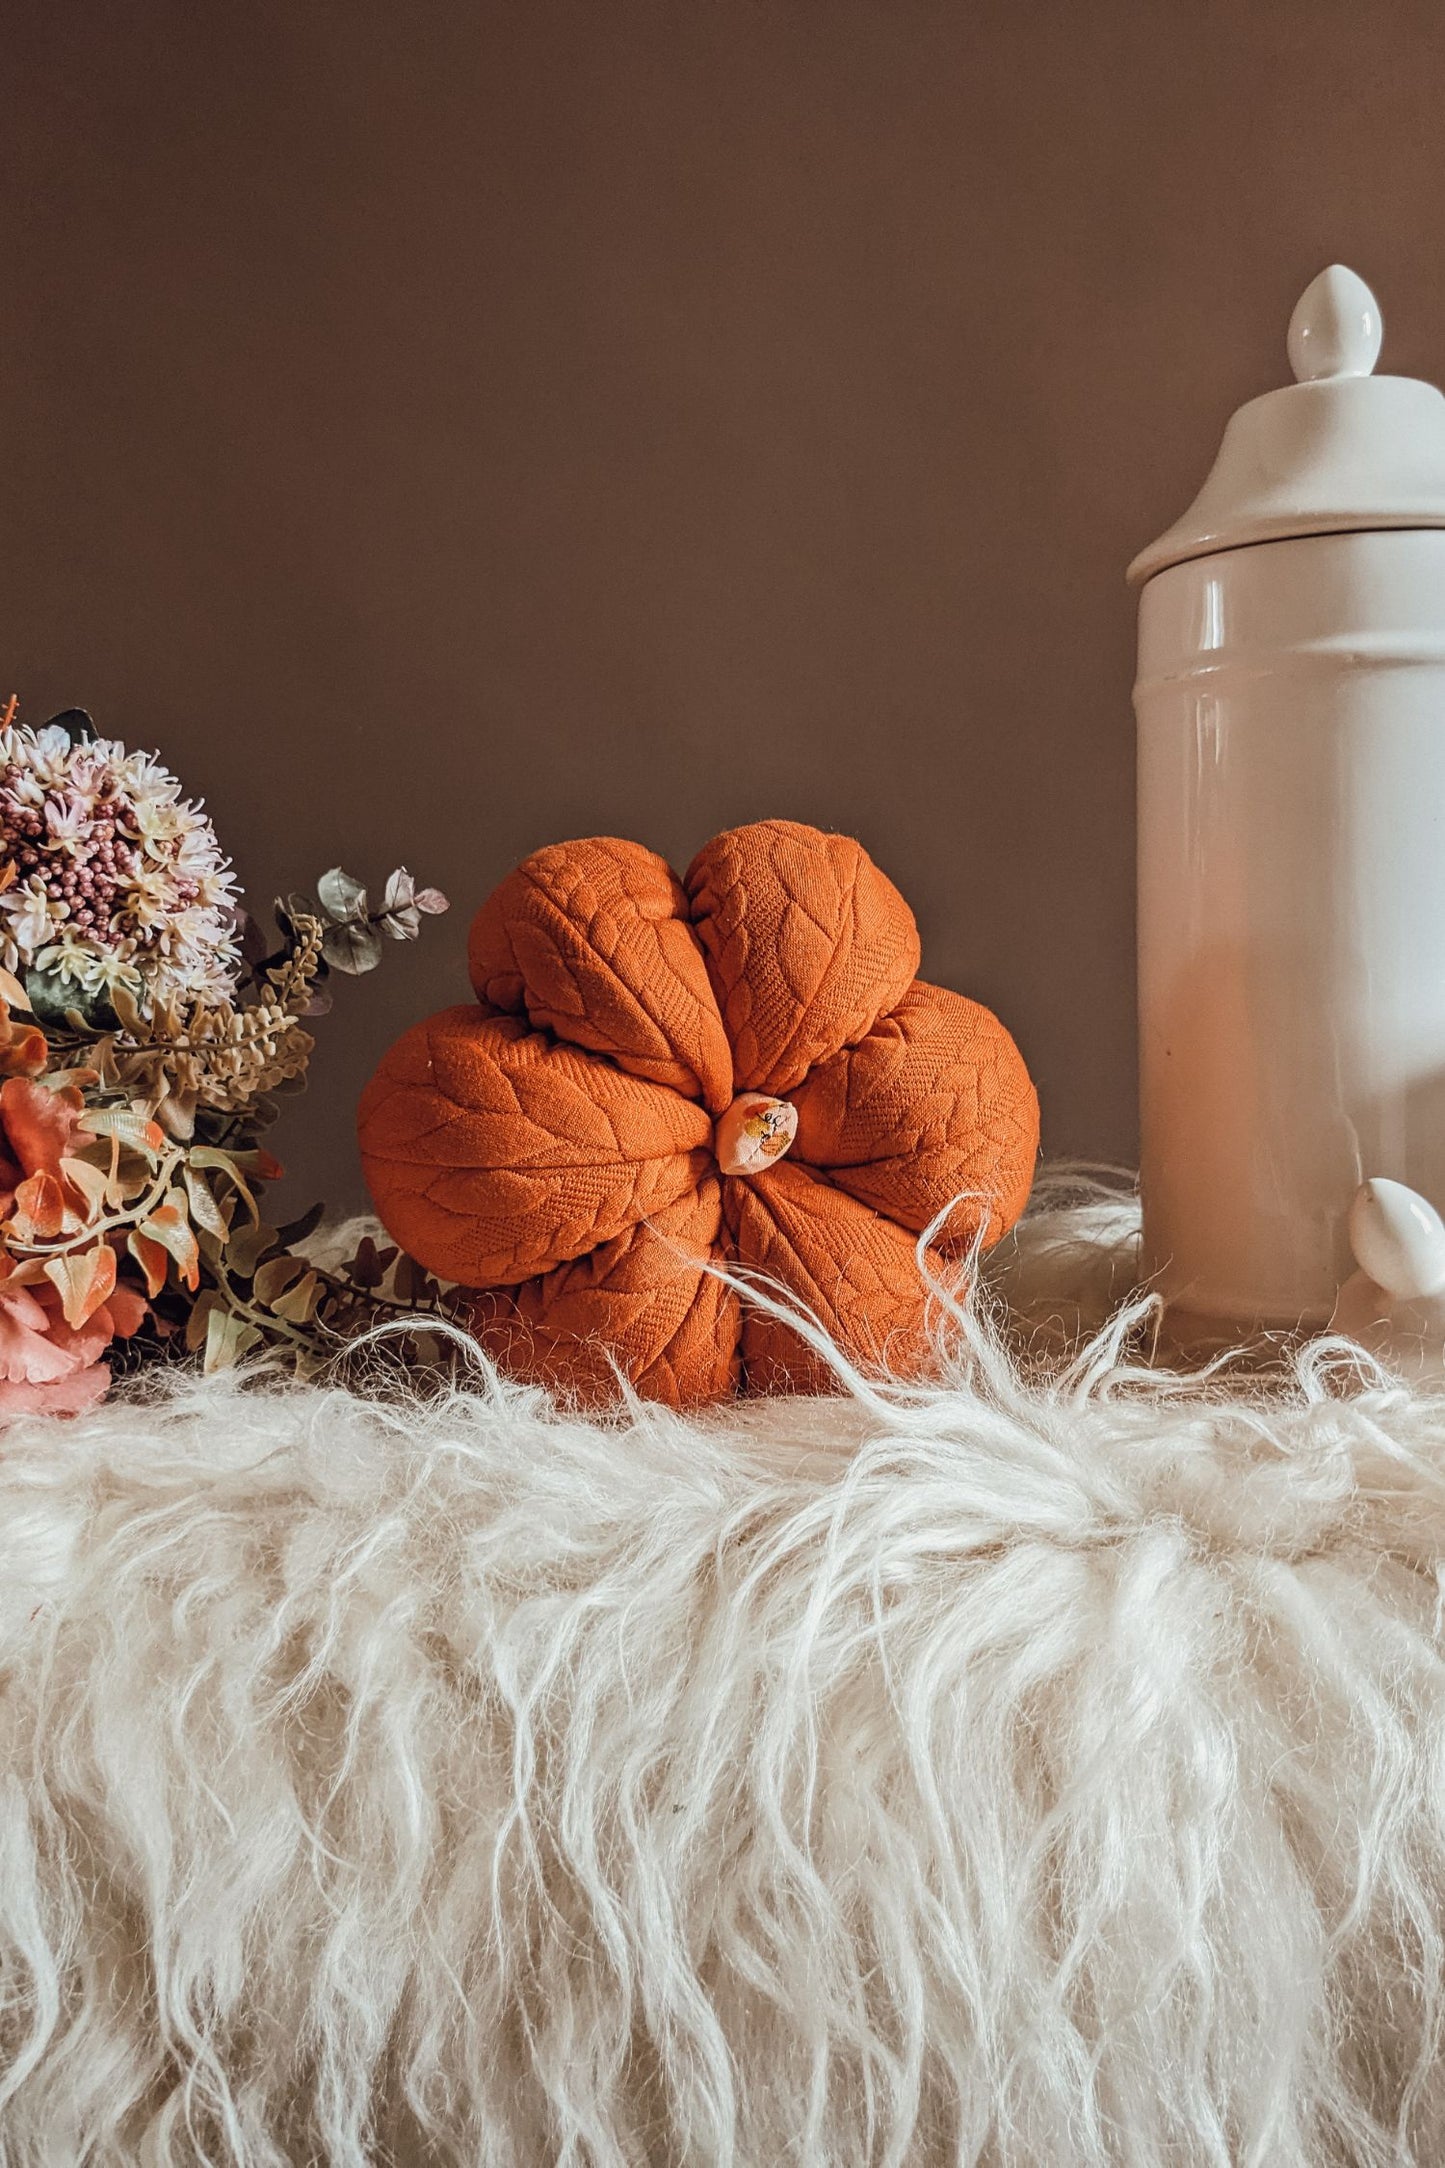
point(753, 1133)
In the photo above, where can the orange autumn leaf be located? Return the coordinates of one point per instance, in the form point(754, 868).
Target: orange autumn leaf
point(84, 1279)
point(258, 1161)
point(153, 1260)
point(91, 1187)
point(169, 1226)
point(40, 1207)
point(128, 1125)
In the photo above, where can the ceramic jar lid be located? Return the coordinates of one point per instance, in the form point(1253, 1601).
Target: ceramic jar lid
point(1339, 449)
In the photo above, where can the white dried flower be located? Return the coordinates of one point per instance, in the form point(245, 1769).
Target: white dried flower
point(107, 875)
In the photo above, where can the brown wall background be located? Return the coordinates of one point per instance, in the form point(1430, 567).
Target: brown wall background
point(445, 428)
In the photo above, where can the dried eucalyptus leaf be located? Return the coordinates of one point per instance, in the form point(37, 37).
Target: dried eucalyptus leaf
point(342, 895)
point(205, 1211)
point(245, 1251)
point(228, 1338)
point(176, 1114)
point(400, 890)
point(402, 925)
point(200, 1318)
point(298, 1304)
point(354, 949)
point(274, 1277)
point(432, 901)
point(230, 1164)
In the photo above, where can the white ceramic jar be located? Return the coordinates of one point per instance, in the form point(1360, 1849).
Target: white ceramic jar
point(1291, 711)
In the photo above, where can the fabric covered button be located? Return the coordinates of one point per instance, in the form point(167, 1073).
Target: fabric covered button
point(753, 1133)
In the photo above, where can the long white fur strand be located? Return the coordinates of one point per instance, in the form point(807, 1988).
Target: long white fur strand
point(1047, 1767)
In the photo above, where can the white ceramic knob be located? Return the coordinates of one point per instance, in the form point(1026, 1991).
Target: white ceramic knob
point(1398, 1238)
point(1335, 329)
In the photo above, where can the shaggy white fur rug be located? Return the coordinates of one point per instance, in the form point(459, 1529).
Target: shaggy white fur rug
point(1047, 1768)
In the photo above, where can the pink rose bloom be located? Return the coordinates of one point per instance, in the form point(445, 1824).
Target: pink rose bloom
point(48, 1367)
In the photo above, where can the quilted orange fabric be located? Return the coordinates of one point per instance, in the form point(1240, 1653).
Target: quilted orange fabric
point(657, 1074)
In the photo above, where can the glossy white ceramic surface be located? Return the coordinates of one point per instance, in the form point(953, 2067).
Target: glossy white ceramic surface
point(1395, 1304)
point(1337, 451)
point(1335, 329)
point(1398, 1238)
point(1291, 709)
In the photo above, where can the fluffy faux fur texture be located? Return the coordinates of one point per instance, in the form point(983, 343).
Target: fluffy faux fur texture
point(1044, 1768)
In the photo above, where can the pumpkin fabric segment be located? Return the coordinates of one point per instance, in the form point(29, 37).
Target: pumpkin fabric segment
point(560, 1144)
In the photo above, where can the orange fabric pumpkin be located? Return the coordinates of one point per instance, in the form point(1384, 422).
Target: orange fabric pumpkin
point(564, 1141)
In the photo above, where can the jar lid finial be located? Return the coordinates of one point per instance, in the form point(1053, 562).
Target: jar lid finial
point(1335, 329)
point(1338, 451)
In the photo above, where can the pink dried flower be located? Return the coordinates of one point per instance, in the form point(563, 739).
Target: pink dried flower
point(47, 1365)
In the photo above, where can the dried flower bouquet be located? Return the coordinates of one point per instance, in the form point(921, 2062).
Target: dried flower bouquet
point(146, 1027)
